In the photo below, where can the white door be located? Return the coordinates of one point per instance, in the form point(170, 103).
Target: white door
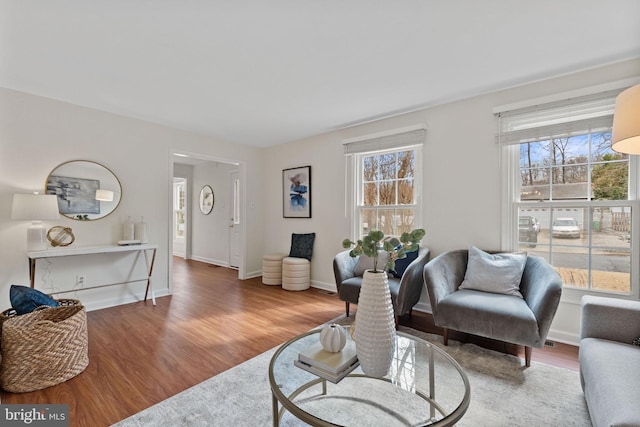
point(235, 222)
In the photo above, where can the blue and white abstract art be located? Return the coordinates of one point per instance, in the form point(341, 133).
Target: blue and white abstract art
point(296, 192)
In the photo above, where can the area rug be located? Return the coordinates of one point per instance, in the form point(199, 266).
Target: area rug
point(503, 393)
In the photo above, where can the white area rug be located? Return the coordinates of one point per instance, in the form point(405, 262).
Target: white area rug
point(503, 393)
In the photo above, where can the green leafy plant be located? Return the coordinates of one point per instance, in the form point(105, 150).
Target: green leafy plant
point(375, 241)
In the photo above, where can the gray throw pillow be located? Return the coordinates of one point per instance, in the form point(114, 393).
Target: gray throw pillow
point(366, 263)
point(496, 273)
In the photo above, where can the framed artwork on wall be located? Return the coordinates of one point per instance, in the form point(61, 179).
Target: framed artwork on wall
point(206, 199)
point(75, 195)
point(296, 192)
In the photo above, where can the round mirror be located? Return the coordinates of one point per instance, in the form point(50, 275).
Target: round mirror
point(86, 190)
point(206, 200)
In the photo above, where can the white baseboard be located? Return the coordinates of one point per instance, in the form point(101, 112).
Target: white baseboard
point(423, 307)
point(563, 337)
point(329, 287)
point(210, 261)
point(121, 300)
point(252, 274)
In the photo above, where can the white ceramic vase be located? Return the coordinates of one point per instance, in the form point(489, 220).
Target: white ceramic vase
point(375, 331)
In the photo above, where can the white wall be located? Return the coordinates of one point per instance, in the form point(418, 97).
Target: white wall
point(461, 189)
point(210, 236)
point(37, 134)
point(461, 194)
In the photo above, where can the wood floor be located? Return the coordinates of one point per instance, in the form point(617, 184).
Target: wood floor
point(140, 354)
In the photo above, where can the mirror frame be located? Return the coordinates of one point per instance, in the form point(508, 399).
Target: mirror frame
point(84, 182)
point(205, 192)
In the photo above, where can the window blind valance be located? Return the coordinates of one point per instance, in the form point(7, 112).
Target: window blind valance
point(585, 114)
point(386, 142)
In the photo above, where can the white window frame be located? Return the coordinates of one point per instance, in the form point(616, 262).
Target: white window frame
point(511, 181)
point(387, 142)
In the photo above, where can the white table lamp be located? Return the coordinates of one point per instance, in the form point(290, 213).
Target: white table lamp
point(104, 195)
point(626, 122)
point(36, 208)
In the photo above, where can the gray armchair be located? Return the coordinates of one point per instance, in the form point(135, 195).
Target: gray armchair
point(609, 362)
point(523, 321)
point(405, 292)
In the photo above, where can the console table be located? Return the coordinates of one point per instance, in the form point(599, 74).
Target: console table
point(149, 251)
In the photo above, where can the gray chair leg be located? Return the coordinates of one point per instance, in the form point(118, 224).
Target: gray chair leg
point(445, 336)
point(347, 306)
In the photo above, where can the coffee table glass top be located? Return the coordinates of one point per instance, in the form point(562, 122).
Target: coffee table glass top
point(424, 387)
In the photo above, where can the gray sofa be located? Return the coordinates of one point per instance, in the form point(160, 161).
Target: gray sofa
point(609, 363)
point(523, 321)
point(405, 291)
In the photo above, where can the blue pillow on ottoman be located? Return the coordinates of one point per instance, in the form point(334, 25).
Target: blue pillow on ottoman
point(25, 299)
point(302, 245)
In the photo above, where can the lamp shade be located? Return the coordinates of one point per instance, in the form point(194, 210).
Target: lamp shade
point(35, 207)
point(104, 195)
point(626, 122)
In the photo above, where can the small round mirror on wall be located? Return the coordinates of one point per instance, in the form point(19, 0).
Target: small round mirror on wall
point(86, 190)
point(206, 199)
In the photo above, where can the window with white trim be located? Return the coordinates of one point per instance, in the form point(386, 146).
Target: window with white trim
point(386, 178)
point(570, 198)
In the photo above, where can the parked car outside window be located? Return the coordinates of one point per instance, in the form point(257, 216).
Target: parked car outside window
point(565, 227)
point(528, 227)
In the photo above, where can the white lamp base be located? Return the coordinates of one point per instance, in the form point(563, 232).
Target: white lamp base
point(36, 237)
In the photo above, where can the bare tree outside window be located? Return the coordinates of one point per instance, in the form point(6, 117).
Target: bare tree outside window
point(388, 192)
point(584, 237)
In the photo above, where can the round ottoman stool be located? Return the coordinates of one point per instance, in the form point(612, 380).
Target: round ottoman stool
point(272, 269)
point(296, 274)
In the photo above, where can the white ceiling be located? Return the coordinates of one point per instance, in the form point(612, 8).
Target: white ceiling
point(266, 72)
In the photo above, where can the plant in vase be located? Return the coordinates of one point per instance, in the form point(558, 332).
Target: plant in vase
point(375, 329)
point(374, 242)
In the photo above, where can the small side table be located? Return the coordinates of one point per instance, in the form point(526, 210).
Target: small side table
point(272, 269)
point(296, 274)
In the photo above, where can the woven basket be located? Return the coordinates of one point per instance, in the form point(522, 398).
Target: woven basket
point(43, 348)
point(11, 312)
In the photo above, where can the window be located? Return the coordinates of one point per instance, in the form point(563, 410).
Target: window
point(571, 197)
point(236, 202)
point(386, 177)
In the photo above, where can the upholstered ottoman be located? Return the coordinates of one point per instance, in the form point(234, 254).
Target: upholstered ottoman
point(272, 269)
point(296, 274)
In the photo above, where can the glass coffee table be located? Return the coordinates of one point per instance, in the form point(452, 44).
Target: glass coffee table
point(424, 387)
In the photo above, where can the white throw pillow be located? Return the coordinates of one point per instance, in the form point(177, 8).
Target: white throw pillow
point(496, 273)
point(366, 263)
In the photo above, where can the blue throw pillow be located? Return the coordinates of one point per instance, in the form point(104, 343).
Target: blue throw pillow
point(302, 245)
point(402, 264)
point(25, 299)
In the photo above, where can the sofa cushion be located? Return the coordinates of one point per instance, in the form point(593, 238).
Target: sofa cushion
point(350, 289)
point(497, 316)
point(610, 372)
point(496, 273)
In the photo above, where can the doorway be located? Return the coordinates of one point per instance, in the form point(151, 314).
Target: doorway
point(180, 214)
point(208, 234)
